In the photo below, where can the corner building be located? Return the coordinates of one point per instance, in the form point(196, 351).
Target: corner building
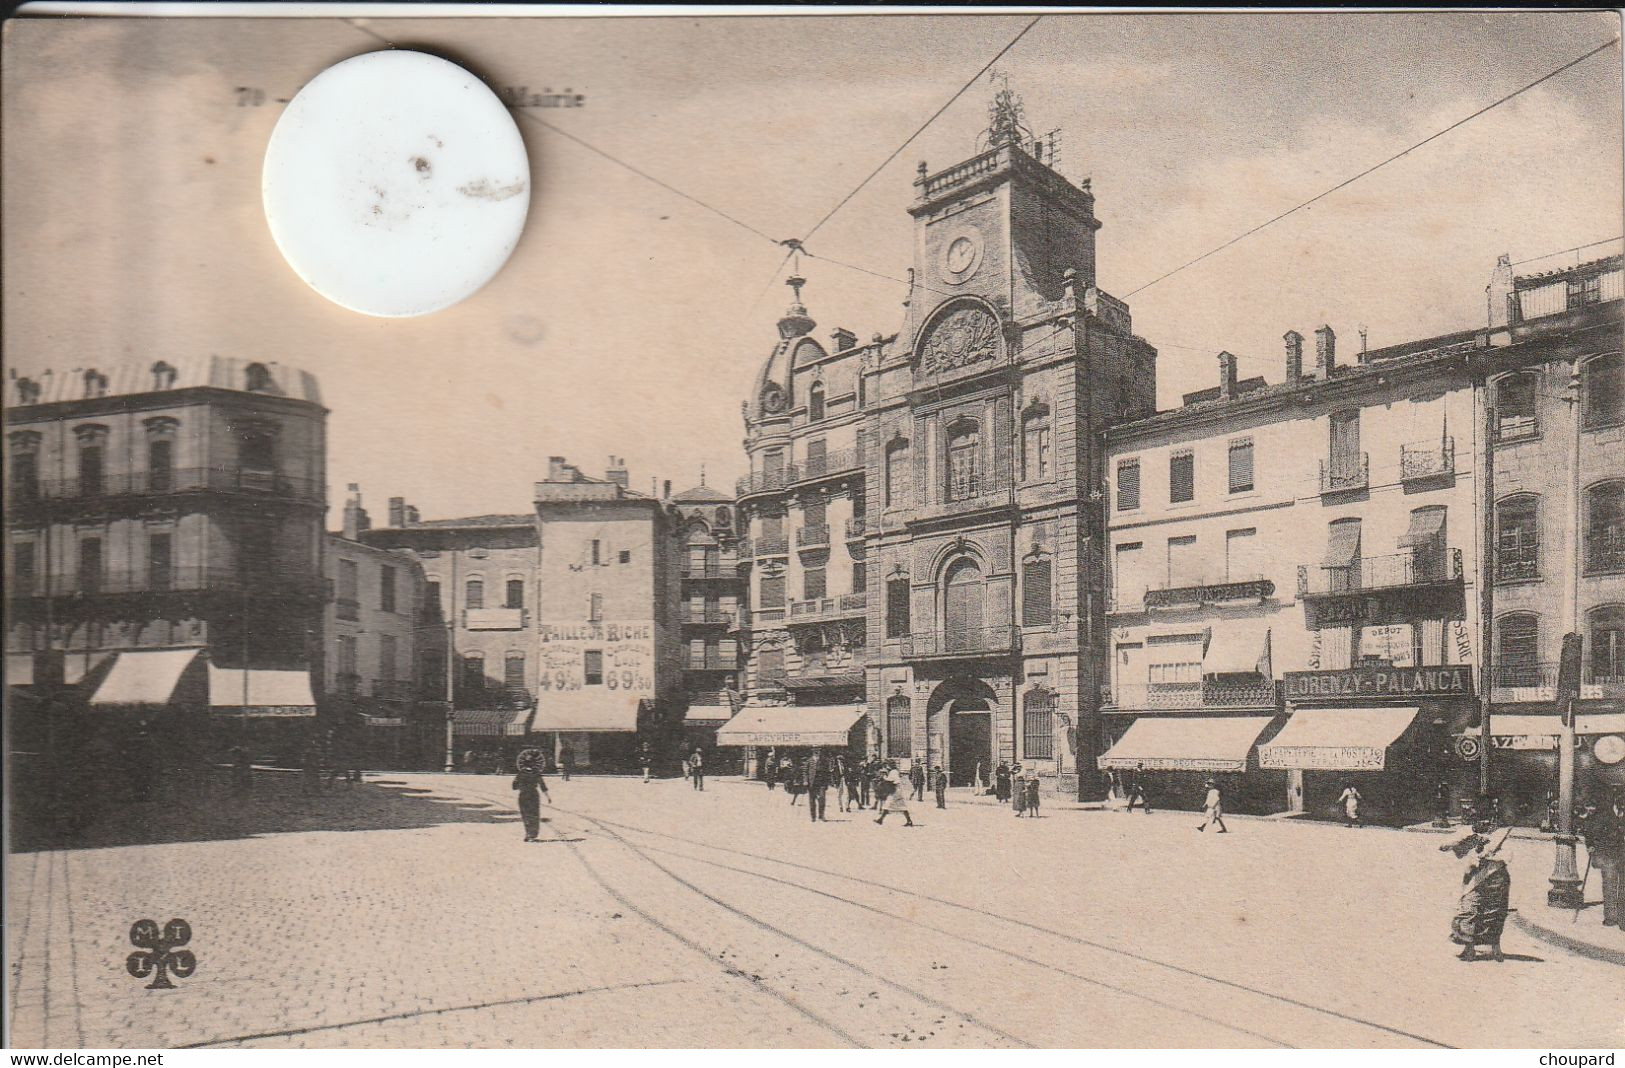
point(938, 486)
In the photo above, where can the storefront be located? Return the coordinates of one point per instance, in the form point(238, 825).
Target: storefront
point(1523, 760)
point(1177, 754)
point(270, 712)
point(791, 731)
point(1386, 731)
point(488, 740)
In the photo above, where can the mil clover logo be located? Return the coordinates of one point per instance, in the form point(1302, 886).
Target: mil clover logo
point(160, 954)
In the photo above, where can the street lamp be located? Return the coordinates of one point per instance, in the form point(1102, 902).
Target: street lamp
point(1566, 890)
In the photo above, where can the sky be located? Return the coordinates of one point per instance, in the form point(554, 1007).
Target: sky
point(630, 322)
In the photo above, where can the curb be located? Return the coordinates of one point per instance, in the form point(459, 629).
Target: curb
point(1562, 941)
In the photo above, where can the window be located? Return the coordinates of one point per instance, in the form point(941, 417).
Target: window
point(816, 459)
point(1607, 657)
point(814, 514)
point(964, 460)
point(1037, 599)
point(770, 666)
point(626, 556)
point(160, 561)
point(163, 376)
point(772, 591)
point(1241, 466)
point(25, 476)
point(1342, 562)
point(1346, 468)
point(773, 528)
point(1035, 444)
point(860, 575)
point(347, 586)
point(899, 728)
point(1181, 477)
point(1605, 528)
point(473, 681)
point(160, 465)
point(595, 608)
point(388, 650)
point(474, 593)
point(815, 402)
point(1128, 485)
point(256, 451)
point(515, 594)
point(432, 675)
point(1583, 291)
point(897, 608)
point(90, 564)
point(1184, 566)
point(513, 674)
point(1426, 540)
point(23, 573)
point(899, 479)
point(432, 607)
point(1603, 390)
point(346, 667)
point(812, 583)
point(90, 466)
point(1128, 576)
point(592, 667)
point(962, 604)
point(1037, 725)
point(1514, 415)
point(1240, 565)
point(773, 468)
point(1517, 538)
point(386, 588)
point(597, 550)
point(1518, 650)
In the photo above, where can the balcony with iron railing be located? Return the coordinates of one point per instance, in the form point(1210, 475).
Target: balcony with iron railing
point(1605, 552)
point(770, 545)
point(171, 480)
point(1517, 563)
point(1381, 573)
point(994, 640)
point(722, 568)
point(856, 528)
point(768, 481)
point(1345, 474)
point(831, 463)
point(824, 609)
point(978, 494)
point(711, 662)
point(707, 614)
point(1192, 695)
point(180, 579)
point(1425, 460)
point(814, 536)
point(1519, 681)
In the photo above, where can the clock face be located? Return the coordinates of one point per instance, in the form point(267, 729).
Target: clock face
point(961, 256)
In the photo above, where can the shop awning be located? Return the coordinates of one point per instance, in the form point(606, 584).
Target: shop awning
point(824, 682)
point(1186, 743)
point(1426, 526)
point(1238, 648)
point(579, 713)
point(144, 677)
point(19, 669)
point(260, 693)
point(75, 666)
point(1336, 739)
point(489, 722)
point(1343, 547)
point(830, 725)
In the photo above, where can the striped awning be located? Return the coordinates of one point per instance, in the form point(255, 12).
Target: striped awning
point(490, 722)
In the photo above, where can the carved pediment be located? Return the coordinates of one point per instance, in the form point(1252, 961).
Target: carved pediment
point(960, 339)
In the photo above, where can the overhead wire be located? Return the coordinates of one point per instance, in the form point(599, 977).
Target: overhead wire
point(1376, 167)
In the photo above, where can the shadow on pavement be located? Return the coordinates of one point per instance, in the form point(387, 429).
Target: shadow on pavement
point(209, 810)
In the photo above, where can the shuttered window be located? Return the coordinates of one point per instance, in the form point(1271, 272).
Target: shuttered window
point(1181, 477)
point(1037, 729)
point(1241, 466)
point(773, 592)
point(812, 583)
point(1037, 603)
point(899, 728)
point(897, 608)
point(1128, 485)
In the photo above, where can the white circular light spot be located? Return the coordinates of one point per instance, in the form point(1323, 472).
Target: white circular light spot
point(396, 183)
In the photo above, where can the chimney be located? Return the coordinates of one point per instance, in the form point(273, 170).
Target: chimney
point(1294, 357)
point(665, 490)
point(411, 516)
point(556, 468)
point(1325, 352)
point(1227, 375)
point(397, 511)
point(844, 339)
point(355, 516)
point(1500, 293)
point(1365, 344)
point(617, 473)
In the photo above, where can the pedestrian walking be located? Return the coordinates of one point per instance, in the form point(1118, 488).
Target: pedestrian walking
point(896, 798)
point(856, 786)
point(1136, 790)
point(1213, 806)
point(1032, 794)
point(1018, 790)
point(816, 774)
point(939, 785)
point(916, 780)
point(531, 787)
point(567, 761)
point(1604, 834)
point(770, 768)
point(978, 783)
point(1481, 914)
point(1350, 800)
point(794, 785)
point(646, 759)
point(696, 770)
point(1001, 782)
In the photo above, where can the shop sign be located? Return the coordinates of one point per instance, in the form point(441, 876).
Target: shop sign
point(1609, 749)
point(1322, 757)
point(1369, 682)
point(1392, 642)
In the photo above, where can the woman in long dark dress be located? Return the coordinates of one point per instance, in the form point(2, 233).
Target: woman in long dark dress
point(1486, 887)
point(531, 786)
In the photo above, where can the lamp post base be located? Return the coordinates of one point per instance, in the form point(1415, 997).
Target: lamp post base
point(1566, 891)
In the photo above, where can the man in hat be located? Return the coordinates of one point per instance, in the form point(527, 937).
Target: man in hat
point(1136, 790)
point(1486, 887)
point(567, 760)
point(531, 786)
point(916, 780)
point(817, 776)
point(939, 785)
point(1604, 834)
point(1213, 806)
point(696, 769)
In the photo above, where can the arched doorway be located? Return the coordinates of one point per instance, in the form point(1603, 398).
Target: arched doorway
point(959, 719)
